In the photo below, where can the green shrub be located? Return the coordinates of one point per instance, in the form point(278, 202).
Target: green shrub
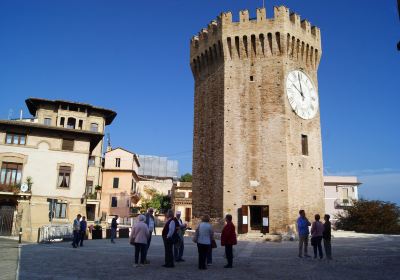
point(370, 217)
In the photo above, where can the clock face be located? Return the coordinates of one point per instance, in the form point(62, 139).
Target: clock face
point(301, 94)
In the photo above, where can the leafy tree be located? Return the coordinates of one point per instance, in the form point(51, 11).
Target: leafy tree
point(371, 217)
point(155, 200)
point(186, 177)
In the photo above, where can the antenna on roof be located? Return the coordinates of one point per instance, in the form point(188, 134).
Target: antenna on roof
point(263, 3)
point(109, 148)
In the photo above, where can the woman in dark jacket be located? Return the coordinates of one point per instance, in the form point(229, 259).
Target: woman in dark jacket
point(228, 239)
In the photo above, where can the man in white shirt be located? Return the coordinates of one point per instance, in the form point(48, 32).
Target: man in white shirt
point(151, 223)
point(76, 229)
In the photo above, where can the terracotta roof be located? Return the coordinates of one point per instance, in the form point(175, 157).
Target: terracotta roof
point(33, 103)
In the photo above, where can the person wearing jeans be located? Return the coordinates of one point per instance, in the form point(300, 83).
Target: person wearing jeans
point(228, 239)
point(140, 235)
point(302, 229)
point(76, 231)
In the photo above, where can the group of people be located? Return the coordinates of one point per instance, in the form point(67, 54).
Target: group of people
point(173, 239)
point(319, 231)
point(79, 231)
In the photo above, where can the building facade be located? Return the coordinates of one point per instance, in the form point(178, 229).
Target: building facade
point(44, 164)
point(119, 192)
point(340, 193)
point(257, 136)
point(181, 199)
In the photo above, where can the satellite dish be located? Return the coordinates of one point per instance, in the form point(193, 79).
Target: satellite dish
point(24, 187)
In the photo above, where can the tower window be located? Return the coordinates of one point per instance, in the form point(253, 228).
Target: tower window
point(304, 145)
point(251, 78)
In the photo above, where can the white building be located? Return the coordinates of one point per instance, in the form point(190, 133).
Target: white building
point(340, 192)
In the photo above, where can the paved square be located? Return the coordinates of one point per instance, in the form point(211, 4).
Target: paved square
point(372, 257)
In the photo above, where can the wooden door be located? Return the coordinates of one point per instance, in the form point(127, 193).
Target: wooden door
point(265, 219)
point(245, 219)
point(188, 214)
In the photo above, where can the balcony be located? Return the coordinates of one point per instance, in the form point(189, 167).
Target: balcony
point(343, 203)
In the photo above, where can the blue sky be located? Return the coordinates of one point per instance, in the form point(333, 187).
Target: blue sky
point(133, 57)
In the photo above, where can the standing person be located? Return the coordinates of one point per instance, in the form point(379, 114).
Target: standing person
point(302, 229)
point(204, 235)
point(326, 235)
point(167, 233)
point(76, 228)
point(83, 228)
point(317, 229)
point(228, 239)
point(114, 226)
point(140, 236)
point(151, 223)
point(180, 245)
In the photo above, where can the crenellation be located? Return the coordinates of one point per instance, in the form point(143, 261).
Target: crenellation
point(306, 26)
point(295, 19)
point(225, 18)
point(281, 13)
point(261, 14)
point(315, 31)
point(244, 16)
point(212, 27)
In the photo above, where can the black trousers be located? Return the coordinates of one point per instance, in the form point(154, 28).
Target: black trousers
point(82, 237)
point(317, 244)
point(203, 251)
point(229, 254)
point(140, 249)
point(169, 254)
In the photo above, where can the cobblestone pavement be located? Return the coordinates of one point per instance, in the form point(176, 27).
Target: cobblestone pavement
point(375, 257)
point(8, 258)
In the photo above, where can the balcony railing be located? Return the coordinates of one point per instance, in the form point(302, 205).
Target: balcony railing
point(343, 203)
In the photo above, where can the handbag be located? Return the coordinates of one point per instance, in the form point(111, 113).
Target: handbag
point(213, 244)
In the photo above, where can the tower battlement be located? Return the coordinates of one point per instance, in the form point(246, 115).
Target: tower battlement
point(283, 34)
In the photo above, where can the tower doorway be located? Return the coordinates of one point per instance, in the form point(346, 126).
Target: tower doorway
point(254, 218)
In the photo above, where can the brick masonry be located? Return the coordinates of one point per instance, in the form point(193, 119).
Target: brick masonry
point(244, 127)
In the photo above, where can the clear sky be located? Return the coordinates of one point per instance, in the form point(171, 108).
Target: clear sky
point(133, 57)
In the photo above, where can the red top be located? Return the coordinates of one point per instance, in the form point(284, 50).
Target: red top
point(228, 236)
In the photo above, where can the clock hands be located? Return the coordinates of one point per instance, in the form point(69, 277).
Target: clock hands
point(301, 89)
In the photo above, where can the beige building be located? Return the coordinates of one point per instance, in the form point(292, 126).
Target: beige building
point(119, 190)
point(340, 193)
point(181, 200)
point(257, 135)
point(59, 150)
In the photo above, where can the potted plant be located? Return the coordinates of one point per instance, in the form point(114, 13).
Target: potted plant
point(97, 232)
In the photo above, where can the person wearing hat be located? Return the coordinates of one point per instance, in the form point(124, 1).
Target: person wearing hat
point(179, 246)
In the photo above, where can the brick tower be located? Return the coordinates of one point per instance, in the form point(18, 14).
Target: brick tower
point(257, 136)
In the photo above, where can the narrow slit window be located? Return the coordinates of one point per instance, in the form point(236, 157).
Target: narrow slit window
point(304, 145)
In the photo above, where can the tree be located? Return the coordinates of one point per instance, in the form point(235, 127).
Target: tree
point(373, 216)
point(155, 200)
point(186, 177)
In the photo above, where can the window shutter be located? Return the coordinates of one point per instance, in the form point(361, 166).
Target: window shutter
point(67, 145)
point(115, 183)
point(65, 169)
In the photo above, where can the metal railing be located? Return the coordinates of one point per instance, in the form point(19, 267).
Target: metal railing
point(51, 233)
point(343, 203)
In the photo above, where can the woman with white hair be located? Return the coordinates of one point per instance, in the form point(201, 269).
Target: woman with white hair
point(139, 236)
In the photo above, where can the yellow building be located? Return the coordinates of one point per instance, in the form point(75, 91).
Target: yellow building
point(50, 165)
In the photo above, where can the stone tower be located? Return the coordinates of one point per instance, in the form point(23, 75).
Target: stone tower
point(257, 152)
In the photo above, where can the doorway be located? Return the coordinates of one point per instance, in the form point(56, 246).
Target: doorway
point(255, 217)
point(7, 211)
point(256, 220)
